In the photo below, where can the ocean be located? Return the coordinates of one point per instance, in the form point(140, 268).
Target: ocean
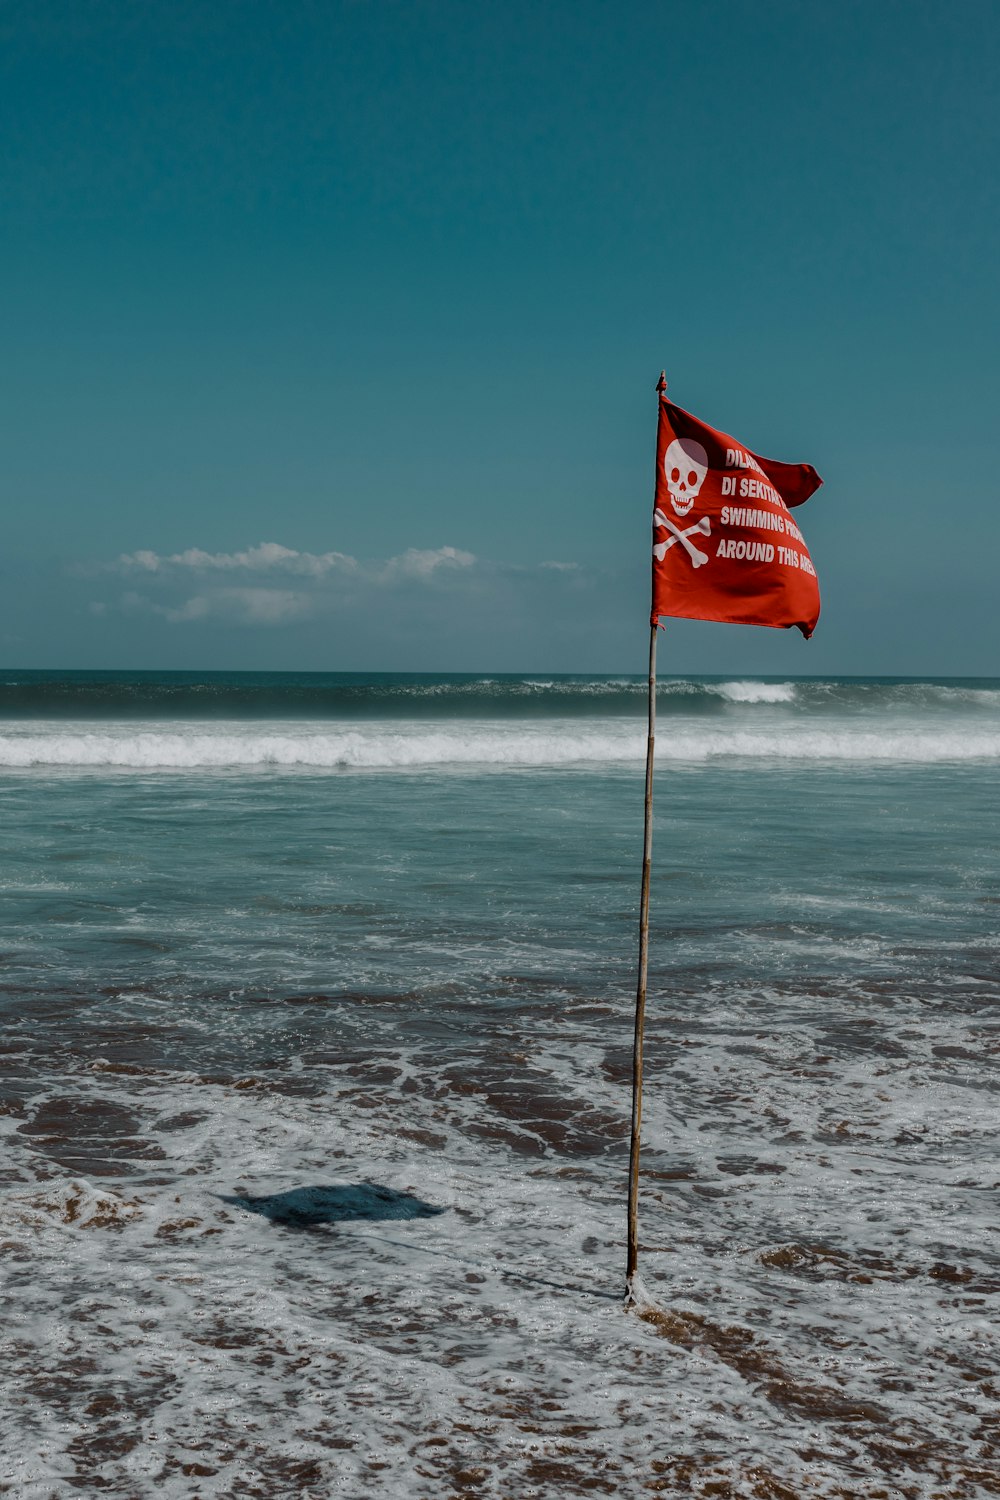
point(316, 1024)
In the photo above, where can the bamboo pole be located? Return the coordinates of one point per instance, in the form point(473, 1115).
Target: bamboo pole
point(640, 994)
point(632, 1259)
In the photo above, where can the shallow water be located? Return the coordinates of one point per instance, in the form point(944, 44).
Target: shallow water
point(316, 1092)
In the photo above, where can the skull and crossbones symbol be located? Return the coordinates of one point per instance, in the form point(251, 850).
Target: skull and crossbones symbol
point(685, 465)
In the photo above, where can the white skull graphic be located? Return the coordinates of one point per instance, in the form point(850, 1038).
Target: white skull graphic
point(685, 465)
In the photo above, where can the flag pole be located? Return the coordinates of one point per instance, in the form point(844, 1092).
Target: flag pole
point(632, 1260)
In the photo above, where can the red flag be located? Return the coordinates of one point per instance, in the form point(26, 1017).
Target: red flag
point(724, 546)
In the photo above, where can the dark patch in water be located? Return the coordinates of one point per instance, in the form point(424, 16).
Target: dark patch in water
point(306, 1207)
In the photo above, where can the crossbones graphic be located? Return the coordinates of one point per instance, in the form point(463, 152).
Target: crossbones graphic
point(703, 527)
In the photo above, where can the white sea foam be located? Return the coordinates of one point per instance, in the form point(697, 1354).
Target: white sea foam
point(499, 744)
point(383, 1350)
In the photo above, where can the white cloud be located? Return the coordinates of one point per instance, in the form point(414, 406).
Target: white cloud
point(415, 563)
point(272, 557)
point(326, 582)
point(273, 585)
point(266, 557)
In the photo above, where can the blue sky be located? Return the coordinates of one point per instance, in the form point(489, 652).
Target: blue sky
point(331, 329)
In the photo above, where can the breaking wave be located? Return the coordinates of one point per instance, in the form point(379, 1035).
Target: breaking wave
point(757, 692)
point(322, 747)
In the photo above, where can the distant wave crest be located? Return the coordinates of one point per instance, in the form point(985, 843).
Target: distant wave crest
point(282, 697)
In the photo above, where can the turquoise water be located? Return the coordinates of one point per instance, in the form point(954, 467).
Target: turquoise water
point(316, 1016)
